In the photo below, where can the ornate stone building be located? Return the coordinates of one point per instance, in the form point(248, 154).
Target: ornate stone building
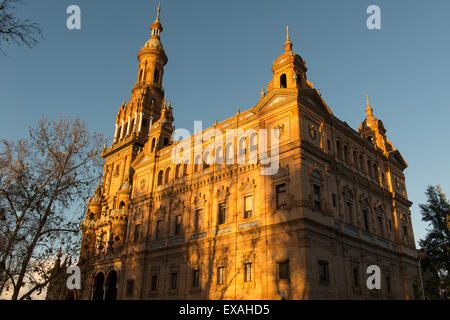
point(203, 229)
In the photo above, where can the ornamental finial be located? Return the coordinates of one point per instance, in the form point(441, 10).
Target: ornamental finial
point(158, 11)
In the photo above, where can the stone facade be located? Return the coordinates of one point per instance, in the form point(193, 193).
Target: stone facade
point(200, 229)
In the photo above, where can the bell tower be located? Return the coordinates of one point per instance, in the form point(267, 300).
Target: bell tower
point(134, 120)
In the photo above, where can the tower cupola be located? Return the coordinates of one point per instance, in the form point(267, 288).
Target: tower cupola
point(289, 69)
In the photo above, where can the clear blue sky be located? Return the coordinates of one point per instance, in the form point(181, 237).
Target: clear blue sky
point(220, 55)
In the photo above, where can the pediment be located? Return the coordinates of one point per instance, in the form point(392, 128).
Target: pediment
point(248, 185)
point(397, 158)
point(142, 159)
point(274, 98)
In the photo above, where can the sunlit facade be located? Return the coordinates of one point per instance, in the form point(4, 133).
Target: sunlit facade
point(214, 227)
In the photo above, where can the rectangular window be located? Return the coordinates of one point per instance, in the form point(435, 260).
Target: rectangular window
point(316, 195)
point(355, 277)
point(380, 225)
point(349, 212)
point(159, 229)
point(221, 275)
point(248, 276)
point(248, 207)
point(198, 219)
point(130, 288)
point(324, 274)
point(154, 283)
point(281, 195)
point(405, 233)
point(222, 213)
point(283, 270)
point(137, 231)
point(333, 197)
point(366, 219)
point(173, 280)
point(196, 278)
point(388, 284)
point(178, 224)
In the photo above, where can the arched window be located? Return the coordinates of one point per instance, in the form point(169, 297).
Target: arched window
point(167, 175)
point(241, 151)
point(346, 156)
point(361, 163)
point(178, 171)
point(339, 150)
point(206, 160)
point(98, 287)
point(160, 177)
point(141, 74)
point(369, 169)
point(283, 83)
point(253, 148)
point(156, 75)
point(111, 286)
point(153, 144)
point(219, 155)
point(122, 205)
point(229, 153)
point(197, 163)
point(355, 160)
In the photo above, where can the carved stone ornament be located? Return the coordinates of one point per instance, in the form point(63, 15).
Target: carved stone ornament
point(312, 132)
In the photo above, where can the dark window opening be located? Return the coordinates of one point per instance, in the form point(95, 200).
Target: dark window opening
point(196, 278)
point(283, 270)
point(355, 277)
point(366, 220)
point(159, 229)
point(154, 283)
point(130, 288)
point(388, 284)
point(222, 213)
point(281, 196)
point(316, 192)
point(178, 224)
point(324, 274)
point(137, 231)
point(283, 83)
point(173, 280)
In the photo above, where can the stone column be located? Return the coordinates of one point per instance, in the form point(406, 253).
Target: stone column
point(121, 131)
point(140, 122)
point(116, 132)
point(129, 125)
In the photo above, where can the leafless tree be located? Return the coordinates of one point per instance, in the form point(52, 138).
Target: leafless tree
point(15, 30)
point(44, 182)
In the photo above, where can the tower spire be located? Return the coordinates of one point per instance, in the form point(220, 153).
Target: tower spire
point(369, 110)
point(288, 43)
point(158, 11)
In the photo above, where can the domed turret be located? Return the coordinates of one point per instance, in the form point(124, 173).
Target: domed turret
point(289, 69)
